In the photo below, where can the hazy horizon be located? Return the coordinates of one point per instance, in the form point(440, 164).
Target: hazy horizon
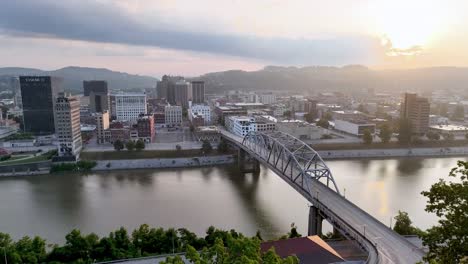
point(187, 38)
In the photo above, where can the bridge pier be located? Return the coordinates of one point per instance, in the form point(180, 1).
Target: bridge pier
point(246, 163)
point(315, 222)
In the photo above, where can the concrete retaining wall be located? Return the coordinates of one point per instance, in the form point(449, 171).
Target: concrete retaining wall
point(163, 163)
point(385, 153)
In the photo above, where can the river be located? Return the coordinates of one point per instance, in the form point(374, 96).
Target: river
point(195, 198)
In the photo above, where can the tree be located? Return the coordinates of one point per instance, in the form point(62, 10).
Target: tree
point(140, 145)
point(287, 114)
point(130, 145)
point(403, 225)
point(323, 123)
point(223, 146)
point(367, 137)
point(405, 131)
point(118, 145)
point(206, 147)
point(310, 117)
point(448, 137)
point(178, 148)
point(293, 233)
point(327, 116)
point(362, 108)
point(433, 136)
point(466, 136)
point(385, 133)
point(447, 242)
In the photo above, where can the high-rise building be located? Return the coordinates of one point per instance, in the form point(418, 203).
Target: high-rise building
point(102, 124)
point(38, 95)
point(145, 128)
point(67, 125)
point(416, 109)
point(129, 106)
point(165, 89)
point(94, 86)
point(173, 115)
point(198, 92)
point(183, 93)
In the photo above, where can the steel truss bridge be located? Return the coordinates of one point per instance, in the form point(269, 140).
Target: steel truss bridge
point(303, 169)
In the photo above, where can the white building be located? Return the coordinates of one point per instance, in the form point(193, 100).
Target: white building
point(173, 115)
point(242, 125)
point(200, 110)
point(356, 127)
point(266, 98)
point(129, 106)
point(301, 130)
point(67, 126)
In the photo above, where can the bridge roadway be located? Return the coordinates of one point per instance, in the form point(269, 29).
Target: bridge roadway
point(382, 244)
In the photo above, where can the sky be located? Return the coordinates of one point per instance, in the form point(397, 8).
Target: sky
point(187, 37)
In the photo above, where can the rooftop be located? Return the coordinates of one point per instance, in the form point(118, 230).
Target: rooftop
point(450, 127)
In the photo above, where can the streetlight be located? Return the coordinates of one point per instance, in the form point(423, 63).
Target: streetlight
point(344, 193)
point(317, 195)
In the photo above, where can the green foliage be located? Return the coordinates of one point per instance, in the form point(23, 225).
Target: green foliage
point(310, 117)
point(206, 147)
point(178, 147)
point(362, 108)
point(385, 133)
point(293, 233)
point(118, 145)
point(327, 116)
point(6, 157)
point(287, 114)
point(82, 165)
point(323, 123)
point(367, 137)
point(19, 136)
point(433, 136)
point(223, 146)
point(403, 225)
point(130, 145)
point(238, 249)
point(448, 137)
point(218, 246)
point(50, 154)
point(466, 136)
point(447, 242)
point(140, 145)
point(405, 131)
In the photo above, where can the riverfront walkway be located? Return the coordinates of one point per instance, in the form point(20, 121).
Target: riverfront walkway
point(382, 243)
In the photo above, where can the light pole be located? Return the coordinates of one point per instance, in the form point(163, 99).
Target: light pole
point(344, 193)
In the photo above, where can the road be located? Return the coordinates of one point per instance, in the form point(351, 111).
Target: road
point(383, 244)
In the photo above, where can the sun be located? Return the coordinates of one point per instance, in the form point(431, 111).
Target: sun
point(408, 23)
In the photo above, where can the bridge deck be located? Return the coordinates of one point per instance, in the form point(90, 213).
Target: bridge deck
point(384, 245)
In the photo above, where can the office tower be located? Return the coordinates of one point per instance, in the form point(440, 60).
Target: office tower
point(416, 109)
point(102, 124)
point(67, 125)
point(38, 95)
point(165, 89)
point(145, 128)
point(183, 93)
point(129, 106)
point(173, 115)
point(198, 92)
point(96, 86)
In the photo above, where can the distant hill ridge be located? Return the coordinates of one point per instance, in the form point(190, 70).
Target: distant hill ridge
point(74, 77)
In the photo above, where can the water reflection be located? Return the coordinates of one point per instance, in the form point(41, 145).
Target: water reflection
point(51, 205)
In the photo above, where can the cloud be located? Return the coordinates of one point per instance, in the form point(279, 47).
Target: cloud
point(105, 22)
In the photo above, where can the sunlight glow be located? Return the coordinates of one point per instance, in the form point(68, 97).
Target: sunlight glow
point(409, 24)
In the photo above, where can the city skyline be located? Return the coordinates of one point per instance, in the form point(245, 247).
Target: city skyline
point(153, 38)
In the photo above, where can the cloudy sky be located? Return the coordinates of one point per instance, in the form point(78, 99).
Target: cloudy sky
point(190, 37)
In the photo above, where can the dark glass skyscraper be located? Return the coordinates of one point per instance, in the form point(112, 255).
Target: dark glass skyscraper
point(38, 96)
point(99, 87)
point(98, 95)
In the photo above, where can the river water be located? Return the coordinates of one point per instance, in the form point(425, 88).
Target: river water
point(195, 198)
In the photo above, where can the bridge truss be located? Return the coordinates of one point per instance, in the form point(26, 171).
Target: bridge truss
point(296, 160)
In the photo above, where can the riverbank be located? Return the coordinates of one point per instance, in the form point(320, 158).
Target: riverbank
point(393, 153)
point(159, 163)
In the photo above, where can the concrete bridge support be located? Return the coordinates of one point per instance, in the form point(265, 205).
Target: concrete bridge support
point(246, 163)
point(315, 221)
